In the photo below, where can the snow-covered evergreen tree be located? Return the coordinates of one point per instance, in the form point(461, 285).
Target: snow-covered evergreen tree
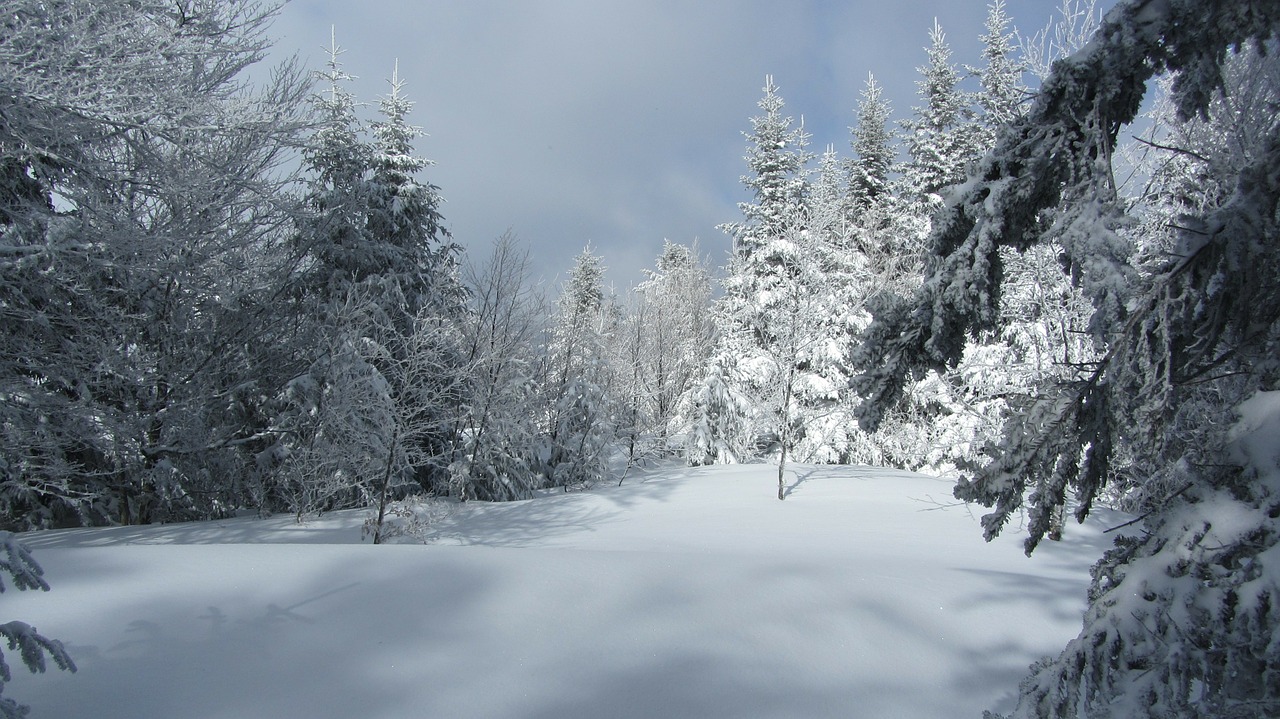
point(873, 148)
point(1001, 96)
point(940, 138)
point(333, 238)
point(373, 220)
point(887, 231)
point(306, 468)
point(891, 220)
point(832, 195)
point(376, 253)
point(25, 573)
point(1180, 619)
point(419, 267)
point(764, 271)
point(1040, 336)
point(722, 416)
point(839, 284)
point(404, 220)
point(777, 156)
point(795, 298)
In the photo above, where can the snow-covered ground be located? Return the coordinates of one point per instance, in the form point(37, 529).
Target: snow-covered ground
point(683, 593)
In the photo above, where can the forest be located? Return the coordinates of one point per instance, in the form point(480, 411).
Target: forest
point(1055, 277)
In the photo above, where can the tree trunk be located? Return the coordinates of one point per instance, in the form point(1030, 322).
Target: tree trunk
point(784, 430)
point(386, 483)
point(782, 465)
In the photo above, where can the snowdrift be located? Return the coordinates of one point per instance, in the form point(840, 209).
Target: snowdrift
point(683, 593)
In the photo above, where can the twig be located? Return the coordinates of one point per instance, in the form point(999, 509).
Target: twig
point(1148, 513)
point(1170, 148)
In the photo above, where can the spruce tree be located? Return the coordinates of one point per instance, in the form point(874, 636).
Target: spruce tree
point(873, 148)
point(1002, 95)
point(379, 282)
point(722, 429)
point(777, 156)
point(763, 271)
point(838, 282)
point(1181, 618)
point(776, 384)
point(25, 573)
point(419, 273)
point(939, 137)
point(333, 237)
point(1040, 334)
point(404, 217)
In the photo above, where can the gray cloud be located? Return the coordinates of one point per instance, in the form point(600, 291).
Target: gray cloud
point(619, 123)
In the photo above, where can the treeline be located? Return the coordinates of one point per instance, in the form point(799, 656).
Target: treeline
point(195, 328)
point(829, 240)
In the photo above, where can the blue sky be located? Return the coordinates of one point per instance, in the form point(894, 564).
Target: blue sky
point(619, 123)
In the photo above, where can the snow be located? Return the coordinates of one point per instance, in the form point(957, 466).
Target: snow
point(686, 592)
point(1256, 437)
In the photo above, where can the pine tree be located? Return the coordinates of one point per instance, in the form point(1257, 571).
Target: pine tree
point(763, 271)
point(308, 468)
point(940, 136)
point(1002, 95)
point(776, 157)
point(1180, 619)
point(25, 573)
point(873, 147)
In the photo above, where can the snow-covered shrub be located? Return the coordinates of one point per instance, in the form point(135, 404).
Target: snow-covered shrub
point(413, 517)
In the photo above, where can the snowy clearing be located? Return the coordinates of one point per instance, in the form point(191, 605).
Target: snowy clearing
point(683, 593)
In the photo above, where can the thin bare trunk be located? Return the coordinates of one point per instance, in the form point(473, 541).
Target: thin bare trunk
point(386, 483)
point(782, 465)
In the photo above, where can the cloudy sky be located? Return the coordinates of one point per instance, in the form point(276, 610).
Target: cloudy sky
point(618, 123)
